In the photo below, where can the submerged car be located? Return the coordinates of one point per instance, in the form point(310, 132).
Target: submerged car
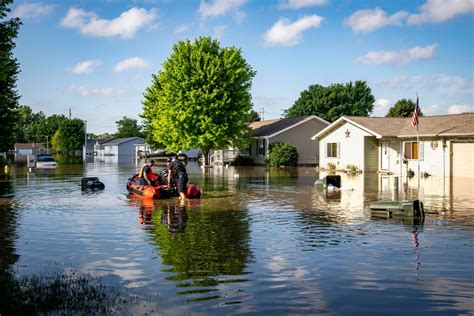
point(46, 161)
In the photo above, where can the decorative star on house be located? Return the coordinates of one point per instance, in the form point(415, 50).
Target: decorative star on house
point(348, 134)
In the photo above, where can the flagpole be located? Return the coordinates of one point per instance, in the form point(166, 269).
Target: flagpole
point(419, 151)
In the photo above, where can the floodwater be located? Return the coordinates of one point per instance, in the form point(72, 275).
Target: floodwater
point(259, 242)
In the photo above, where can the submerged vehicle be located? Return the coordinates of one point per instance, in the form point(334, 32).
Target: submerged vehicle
point(159, 188)
point(46, 161)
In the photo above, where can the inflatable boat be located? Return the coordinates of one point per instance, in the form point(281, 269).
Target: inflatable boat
point(159, 189)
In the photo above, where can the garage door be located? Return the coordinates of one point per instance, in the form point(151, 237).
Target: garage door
point(462, 159)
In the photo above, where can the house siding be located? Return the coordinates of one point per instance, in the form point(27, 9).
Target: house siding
point(300, 137)
point(351, 149)
point(371, 156)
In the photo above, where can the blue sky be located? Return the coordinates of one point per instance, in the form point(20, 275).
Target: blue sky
point(96, 57)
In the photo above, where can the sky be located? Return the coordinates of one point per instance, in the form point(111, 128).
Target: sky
point(95, 58)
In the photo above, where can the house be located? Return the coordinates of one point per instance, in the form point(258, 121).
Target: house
point(24, 149)
point(121, 150)
point(296, 131)
point(444, 145)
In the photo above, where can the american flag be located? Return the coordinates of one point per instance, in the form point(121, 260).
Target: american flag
point(416, 112)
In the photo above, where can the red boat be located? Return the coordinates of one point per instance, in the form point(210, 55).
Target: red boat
point(159, 188)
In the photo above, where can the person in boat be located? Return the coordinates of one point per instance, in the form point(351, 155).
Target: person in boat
point(177, 175)
point(146, 175)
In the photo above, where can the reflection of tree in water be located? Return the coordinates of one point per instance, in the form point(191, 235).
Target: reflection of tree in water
point(8, 256)
point(207, 245)
point(54, 290)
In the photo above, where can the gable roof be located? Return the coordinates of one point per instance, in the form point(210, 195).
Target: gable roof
point(275, 127)
point(442, 125)
point(117, 141)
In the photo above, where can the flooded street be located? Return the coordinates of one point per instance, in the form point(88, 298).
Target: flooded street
point(258, 242)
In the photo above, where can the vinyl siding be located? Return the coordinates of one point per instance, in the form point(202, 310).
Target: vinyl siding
point(351, 149)
point(300, 136)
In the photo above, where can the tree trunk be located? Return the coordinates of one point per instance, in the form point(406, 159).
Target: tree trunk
point(205, 158)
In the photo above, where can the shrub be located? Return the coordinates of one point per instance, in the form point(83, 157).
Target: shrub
point(243, 161)
point(331, 165)
point(352, 168)
point(282, 154)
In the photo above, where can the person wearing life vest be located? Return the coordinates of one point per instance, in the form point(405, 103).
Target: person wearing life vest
point(177, 175)
point(146, 174)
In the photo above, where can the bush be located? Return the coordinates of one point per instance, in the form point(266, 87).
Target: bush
point(352, 168)
point(331, 165)
point(282, 154)
point(243, 161)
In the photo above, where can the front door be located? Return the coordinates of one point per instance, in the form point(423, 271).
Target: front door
point(384, 156)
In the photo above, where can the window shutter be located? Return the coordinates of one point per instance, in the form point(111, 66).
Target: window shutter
point(338, 150)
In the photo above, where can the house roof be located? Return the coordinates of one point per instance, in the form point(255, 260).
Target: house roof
point(28, 145)
point(274, 127)
point(116, 141)
point(442, 125)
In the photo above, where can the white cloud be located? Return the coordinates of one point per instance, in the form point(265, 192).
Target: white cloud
point(436, 11)
point(429, 110)
point(84, 90)
point(298, 4)
point(285, 33)
point(369, 20)
point(395, 82)
point(181, 29)
point(219, 31)
point(402, 57)
point(447, 84)
point(381, 106)
point(32, 10)
point(125, 26)
point(130, 63)
point(84, 67)
point(460, 108)
point(219, 7)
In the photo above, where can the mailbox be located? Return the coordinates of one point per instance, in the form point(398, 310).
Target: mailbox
point(31, 161)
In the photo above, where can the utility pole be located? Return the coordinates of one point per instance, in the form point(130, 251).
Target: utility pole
point(69, 113)
point(85, 141)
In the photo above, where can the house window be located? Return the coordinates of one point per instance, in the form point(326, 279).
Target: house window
point(332, 150)
point(261, 147)
point(413, 150)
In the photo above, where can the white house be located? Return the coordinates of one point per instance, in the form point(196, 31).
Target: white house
point(121, 150)
point(444, 145)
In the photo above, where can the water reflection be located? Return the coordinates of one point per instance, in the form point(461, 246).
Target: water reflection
point(260, 241)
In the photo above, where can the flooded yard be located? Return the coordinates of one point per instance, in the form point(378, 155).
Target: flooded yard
point(258, 242)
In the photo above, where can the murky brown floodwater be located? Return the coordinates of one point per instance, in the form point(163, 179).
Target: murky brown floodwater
point(259, 242)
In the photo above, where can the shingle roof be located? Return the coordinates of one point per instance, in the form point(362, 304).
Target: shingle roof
point(443, 125)
point(275, 126)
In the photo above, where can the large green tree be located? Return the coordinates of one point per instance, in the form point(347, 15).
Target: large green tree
point(9, 69)
point(334, 101)
point(403, 108)
point(44, 128)
point(71, 135)
point(200, 98)
point(128, 127)
point(25, 120)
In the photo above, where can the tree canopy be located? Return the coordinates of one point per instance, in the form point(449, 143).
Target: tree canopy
point(403, 108)
point(128, 127)
point(254, 116)
point(333, 101)
point(200, 99)
point(9, 69)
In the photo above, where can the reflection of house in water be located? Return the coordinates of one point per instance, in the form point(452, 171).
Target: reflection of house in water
point(121, 150)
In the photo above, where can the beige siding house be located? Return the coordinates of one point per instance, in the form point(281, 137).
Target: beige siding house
point(445, 145)
point(296, 131)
